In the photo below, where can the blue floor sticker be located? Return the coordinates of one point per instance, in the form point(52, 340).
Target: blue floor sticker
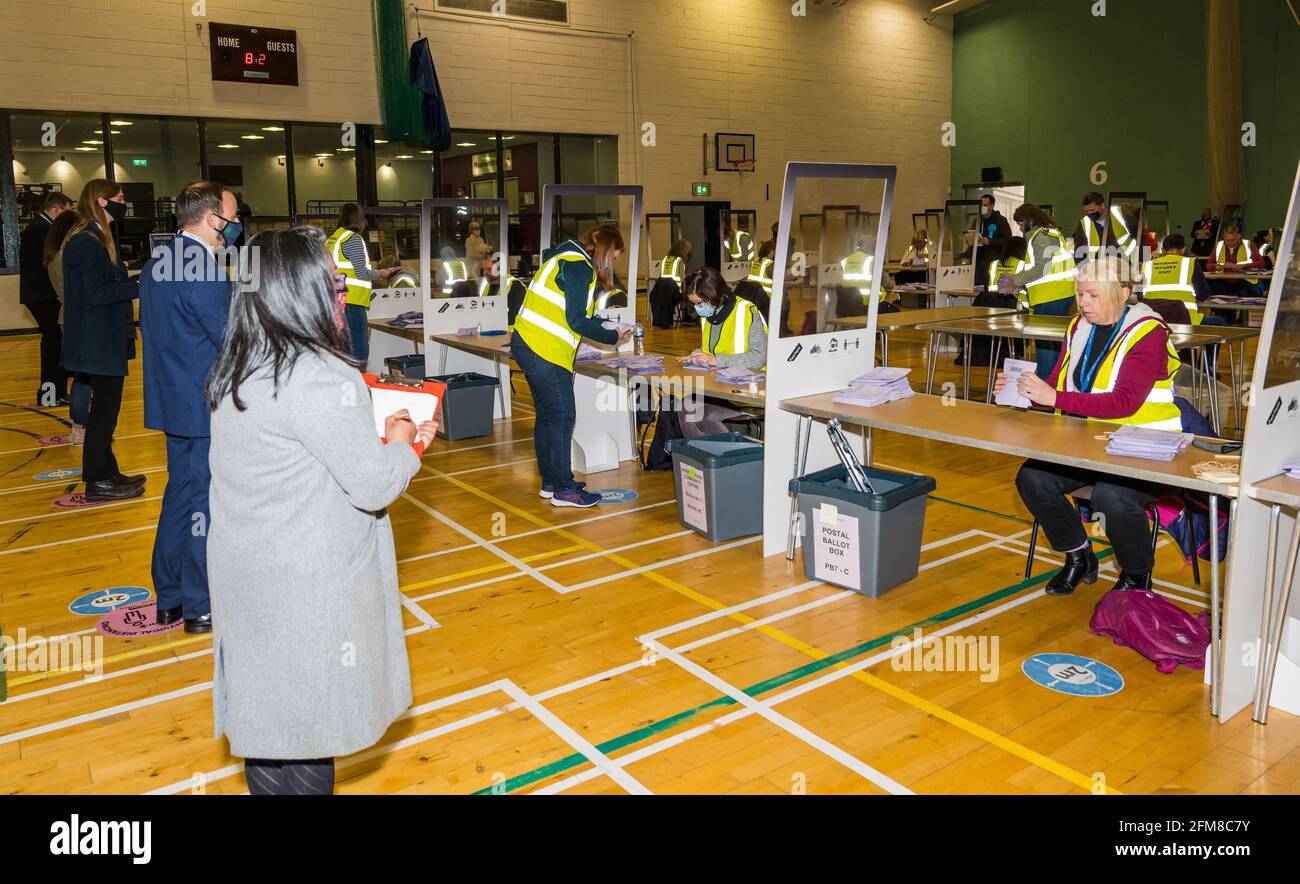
point(1071, 674)
point(101, 601)
point(59, 474)
point(616, 495)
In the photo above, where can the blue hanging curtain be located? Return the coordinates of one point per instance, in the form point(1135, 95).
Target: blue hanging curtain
point(433, 110)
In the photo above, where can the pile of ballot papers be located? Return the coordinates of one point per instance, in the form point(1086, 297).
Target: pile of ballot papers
point(1292, 470)
point(409, 319)
point(1130, 441)
point(738, 376)
point(588, 353)
point(876, 387)
point(647, 364)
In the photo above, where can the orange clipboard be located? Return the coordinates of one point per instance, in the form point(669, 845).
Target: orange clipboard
point(389, 393)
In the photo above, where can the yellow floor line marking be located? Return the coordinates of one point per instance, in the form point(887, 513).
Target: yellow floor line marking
point(488, 569)
point(977, 730)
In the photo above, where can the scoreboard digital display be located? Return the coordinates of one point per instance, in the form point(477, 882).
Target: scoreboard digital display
point(242, 54)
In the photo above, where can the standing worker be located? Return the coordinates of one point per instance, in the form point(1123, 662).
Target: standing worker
point(557, 313)
point(1087, 234)
point(348, 249)
point(36, 293)
point(738, 243)
point(1048, 274)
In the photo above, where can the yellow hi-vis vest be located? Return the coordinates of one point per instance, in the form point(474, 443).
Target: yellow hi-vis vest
point(760, 271)
point(502, 286)
point(1009, 267)
point(452, 272)
point(1170, 276)
point(541, 321)
point(358, 289)
point(1123, 237)
point(734, 337)
point(603, 299)
point(1241, 255)
point(1093, 232)
point(740, 246)
point(671, 267)
point(1159, 411)
point(857, 273)
point(1056, 282)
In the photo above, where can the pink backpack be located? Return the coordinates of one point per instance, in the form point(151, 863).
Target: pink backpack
point(1154, 627)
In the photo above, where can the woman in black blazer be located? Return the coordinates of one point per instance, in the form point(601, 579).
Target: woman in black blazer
point(99, 332)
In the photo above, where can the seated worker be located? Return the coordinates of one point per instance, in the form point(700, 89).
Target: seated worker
point(451, 271)
point(1002, 274)
point(737, 245)
point(1234, 255)
point(857, 267)
point(1087, 234)
point(673, 265)
point(613, 297)
point(1177, 276)
point(489, 286)
point(1047, 275)
point(1118, 366)
point(733, 333)
point(1263, 243)
point(917, 258)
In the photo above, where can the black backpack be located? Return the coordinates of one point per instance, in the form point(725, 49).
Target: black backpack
point(667, 425)
point(664, 298)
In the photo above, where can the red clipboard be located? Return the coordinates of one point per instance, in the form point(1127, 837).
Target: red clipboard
point(388, 393)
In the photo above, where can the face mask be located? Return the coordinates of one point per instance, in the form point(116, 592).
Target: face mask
point(116, 211)
point(231, 232)
point(1095, 214)
point(703, 310)
point(985, 211)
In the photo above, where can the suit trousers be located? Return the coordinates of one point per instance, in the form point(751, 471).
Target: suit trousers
point(180, 546)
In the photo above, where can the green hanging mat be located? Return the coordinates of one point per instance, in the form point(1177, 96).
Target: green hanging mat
point(400, 100)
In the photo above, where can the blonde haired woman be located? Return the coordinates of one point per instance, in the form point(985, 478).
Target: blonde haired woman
point(1116, 365)
point(99, 332)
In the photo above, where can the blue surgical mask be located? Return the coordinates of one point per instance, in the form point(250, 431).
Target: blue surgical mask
point(703, 310)
point(231, 232)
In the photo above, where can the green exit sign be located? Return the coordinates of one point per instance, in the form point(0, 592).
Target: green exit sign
point(702, 188)
point(139, 162)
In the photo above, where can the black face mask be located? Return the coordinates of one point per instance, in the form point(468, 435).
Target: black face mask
point(116, 211)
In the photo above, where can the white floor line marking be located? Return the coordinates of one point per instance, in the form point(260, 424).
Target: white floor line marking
point(36, 486)
point(102, 713)
point(96, 679)
point(425, 477)
point(575, 740)
point(80, 511)
point(116, 438)
point(641, 569)
point(488, 545)
point(418, 612)
point(790, 726)
point(536, 531)
point(21, 549)
point(1199, 603)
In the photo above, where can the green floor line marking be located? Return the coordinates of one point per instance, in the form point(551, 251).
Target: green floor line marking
point(980, 509)
point(640, 734)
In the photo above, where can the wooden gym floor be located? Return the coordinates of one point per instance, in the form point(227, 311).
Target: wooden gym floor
point(611, 650)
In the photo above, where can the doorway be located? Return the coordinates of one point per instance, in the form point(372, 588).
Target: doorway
point(702, 228)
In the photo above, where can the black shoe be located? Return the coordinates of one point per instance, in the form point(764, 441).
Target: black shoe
point(130, 480)
point(168, 616)
point(199, 624)
point(1129, 580)
point(1080, 565)
point(110, 489)
point(960, 360)
point(62, 402)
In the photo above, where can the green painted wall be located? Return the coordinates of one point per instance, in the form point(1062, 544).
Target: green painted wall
point(1045, 90)
point(1270, 40)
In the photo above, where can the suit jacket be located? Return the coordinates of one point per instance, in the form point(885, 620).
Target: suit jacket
point(98, 322)
point(33, 281)
point(183, 325)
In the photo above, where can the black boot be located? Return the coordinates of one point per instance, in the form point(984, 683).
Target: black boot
point(1080, 564)
point(1130, 580)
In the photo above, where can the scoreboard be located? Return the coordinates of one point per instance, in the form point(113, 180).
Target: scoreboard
point(243, 54)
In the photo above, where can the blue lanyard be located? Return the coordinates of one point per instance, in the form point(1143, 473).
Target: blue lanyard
point(1087, 372)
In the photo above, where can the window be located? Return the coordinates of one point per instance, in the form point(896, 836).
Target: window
point(153, 158)
point(324, 170)
point(248, 157)
point(469, 166)
point(403, 170)
point(54, 151)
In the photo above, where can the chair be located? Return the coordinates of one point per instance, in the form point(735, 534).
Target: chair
point(1085, 493)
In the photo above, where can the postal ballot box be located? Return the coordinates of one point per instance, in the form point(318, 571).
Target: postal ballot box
point(865, 542)
point(467, 409)
point(719, 482)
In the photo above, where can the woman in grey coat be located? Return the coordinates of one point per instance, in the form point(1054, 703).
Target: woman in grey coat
point(309, 653)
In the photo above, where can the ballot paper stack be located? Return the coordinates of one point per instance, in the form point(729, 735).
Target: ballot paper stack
point(588, 353)
point(876, 387)
point(647, 364)
point(1292, 470)
point(1129, 441)
point(738, 376)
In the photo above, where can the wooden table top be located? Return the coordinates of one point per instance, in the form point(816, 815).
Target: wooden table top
point(1052, 328)
point(1069, 441)
point(1280, 490)
point(1235, 274)
point(411, 332)
point(678, 378)
point(910, 318)
point(484, 345)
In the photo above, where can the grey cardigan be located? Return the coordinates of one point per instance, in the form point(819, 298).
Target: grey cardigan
point(308, 648)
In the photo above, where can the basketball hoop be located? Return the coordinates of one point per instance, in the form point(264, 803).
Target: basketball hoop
point(741, 166)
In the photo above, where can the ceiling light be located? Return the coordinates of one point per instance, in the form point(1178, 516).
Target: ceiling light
point(87, 149)
point(272, 128)
point(405, 156)
point(346, 149)
point(508, 138)
point(426, 151)
point(381, 141)
point(252, 137)
point(229, 146)
point(121, 123)
point(92, 141)
point(466, 144)
point(321, 156)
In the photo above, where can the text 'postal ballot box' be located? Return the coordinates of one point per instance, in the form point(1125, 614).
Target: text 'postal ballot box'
point(719, 482)
point(865, 542)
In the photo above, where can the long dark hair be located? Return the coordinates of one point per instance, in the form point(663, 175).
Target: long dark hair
point(58, 235)
point(709, 284)
point(600, 243)
point(1035, 215)
point(292, 311)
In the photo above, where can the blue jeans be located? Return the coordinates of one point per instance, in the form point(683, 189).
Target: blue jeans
point(180, 546)
point(552, 389)
point(1048, 353)
point(79, 401)
point(355, 316)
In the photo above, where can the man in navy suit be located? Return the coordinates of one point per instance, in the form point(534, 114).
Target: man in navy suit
point(185, 296)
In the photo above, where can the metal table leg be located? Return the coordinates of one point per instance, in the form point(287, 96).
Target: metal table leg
point(1215, 672)
point(1236, 387)
point(1266, 617)
point(1274, 637)
point(931, 362)
point(995, 350)
point(1212, 381)
point(965, 375)
point(802, 435)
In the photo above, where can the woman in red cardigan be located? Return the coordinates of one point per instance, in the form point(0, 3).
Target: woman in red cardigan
point(1117, 366)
